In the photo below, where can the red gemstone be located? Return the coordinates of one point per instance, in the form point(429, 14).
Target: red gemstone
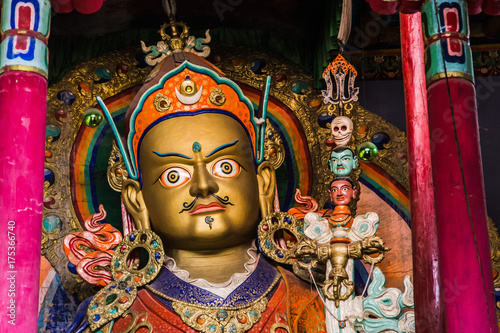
point(123, 248)
point(330, 142)
point(60, 115)
point(122, 68)
point(280, 77)
point(216, 58)
point(265, 227)
point(48, 201)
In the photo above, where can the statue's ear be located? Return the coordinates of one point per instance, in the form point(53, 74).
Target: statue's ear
point(134, 203)
point(267, 184)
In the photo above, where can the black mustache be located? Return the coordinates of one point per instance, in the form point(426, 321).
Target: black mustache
point(188, 206)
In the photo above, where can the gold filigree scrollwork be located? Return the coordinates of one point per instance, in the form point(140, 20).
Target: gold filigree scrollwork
point(220, 320)
point(162, 103)
point(117, 172)
point(280, 326)
point(274, 151)
point(217, 97)
point(68, 117)
point(138, 322)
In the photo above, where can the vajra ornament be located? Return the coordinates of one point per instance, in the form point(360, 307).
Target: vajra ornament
point(321, 248)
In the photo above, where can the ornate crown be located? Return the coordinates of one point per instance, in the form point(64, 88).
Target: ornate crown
point(184, 84)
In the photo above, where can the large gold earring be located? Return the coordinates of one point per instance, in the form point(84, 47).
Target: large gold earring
point(114, 299)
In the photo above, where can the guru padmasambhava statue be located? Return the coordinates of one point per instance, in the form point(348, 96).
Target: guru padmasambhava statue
point(194, 181)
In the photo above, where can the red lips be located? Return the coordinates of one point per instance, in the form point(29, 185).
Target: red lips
point(211, 207)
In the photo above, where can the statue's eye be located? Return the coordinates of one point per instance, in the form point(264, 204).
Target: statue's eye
point(226, 168)
point(344, 128)
point(336, 129)
point(173, 177)
point(345, 188)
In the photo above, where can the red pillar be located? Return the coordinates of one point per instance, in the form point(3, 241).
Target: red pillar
point(464, 248)
point(429, 315)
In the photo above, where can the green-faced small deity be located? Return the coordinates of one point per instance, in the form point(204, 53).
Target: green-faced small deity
point(342, 161)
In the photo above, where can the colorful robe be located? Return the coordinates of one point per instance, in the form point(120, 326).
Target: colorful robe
point(293, 305)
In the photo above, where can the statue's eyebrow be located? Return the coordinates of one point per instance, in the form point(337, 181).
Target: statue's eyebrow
point(172, 154)
point(224, 146)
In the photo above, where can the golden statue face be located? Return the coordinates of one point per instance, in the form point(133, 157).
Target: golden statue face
point(200, 189)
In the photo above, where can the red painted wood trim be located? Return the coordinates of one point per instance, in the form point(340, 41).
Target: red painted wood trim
point(429, 311)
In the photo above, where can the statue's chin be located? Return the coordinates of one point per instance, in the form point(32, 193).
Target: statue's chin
point(201, 238)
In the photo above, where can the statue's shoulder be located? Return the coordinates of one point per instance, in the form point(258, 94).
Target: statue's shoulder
point(304, 306)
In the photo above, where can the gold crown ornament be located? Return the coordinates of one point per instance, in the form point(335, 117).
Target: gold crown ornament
point(184, 84)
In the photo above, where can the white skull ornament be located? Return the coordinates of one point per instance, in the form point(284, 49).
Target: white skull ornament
point(342, 130)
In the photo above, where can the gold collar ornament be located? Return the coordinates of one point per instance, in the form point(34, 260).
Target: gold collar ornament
point(220, 319)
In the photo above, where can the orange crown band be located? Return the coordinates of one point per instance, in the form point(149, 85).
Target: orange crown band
point(188, 88)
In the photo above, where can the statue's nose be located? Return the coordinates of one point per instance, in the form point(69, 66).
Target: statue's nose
point(202, 183)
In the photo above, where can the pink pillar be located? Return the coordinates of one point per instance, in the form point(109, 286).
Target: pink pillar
point(429, 313)
point(23, 102)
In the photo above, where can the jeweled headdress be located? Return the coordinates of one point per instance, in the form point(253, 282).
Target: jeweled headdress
point(183, 84)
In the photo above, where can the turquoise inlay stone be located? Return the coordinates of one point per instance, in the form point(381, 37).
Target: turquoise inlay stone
point(51, 222)
point(52, 132)
point(299, 86)
point(154, 244)
point(253, 313)
point(94, 306)
point(113, 310)
point(268, 244)
point(300, 230)
point(211, 328)
point(117, 264)
point(196, 147)
point(103, 72)
point(232, 329)
point(150, 270)
point(363, 227)
point(221, 314)
point(188, 313)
